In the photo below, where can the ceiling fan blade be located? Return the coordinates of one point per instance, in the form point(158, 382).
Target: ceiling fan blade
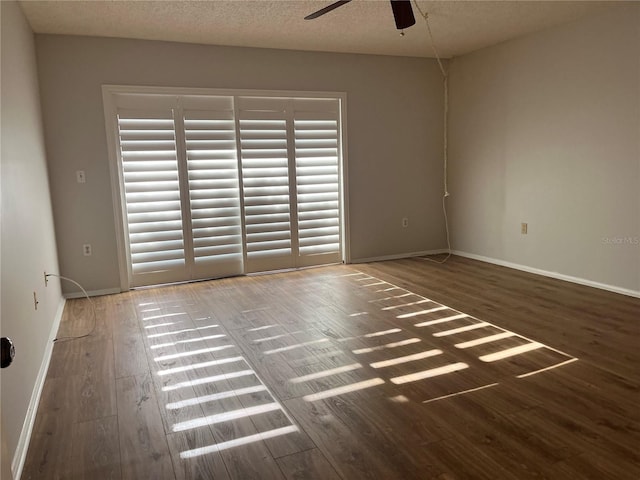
point(403, 13)
point(326, 9)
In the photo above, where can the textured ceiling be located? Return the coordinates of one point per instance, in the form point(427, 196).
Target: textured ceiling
point(362, 26)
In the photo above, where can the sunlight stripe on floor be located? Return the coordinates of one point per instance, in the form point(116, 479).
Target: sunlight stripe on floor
point(407, 358)
point(225, 416)
point(404, 305)
point(236, 442)
point(191, 353)
point(434, 372)
point(293, 347)
point(353, 387)
point(155, 317)
point(194, 366)
point(326, 373)
point(511, 352)
point(422, 312)
point(189, 402)
point(175, 332)
point(466, 328)
point(190, 340)
point(262, 328)
point(401, 343)
point(483, 340)
point(382, 332)
point(441, 320)
point(212, 379)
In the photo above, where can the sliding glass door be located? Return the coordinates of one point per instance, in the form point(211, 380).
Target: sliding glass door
point(221, 185)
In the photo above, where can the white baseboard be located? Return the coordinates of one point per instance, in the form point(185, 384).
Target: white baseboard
point(399, 256)
point(20, 455)
point(546, 273)
point(93, 293)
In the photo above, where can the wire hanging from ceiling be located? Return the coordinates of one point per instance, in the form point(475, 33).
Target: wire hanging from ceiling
point(445, 76)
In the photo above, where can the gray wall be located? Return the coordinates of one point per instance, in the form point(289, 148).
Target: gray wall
point(28, 245)
point(546, 130)
point(394, 135)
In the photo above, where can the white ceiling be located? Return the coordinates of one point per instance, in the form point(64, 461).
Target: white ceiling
point(362, 26)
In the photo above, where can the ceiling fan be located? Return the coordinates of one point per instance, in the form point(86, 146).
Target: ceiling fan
point(402, 12)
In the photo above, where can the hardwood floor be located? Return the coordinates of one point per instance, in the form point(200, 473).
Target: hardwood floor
point(395, 370)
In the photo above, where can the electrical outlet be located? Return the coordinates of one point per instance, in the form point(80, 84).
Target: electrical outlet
point(405, 222)
point(523, 228)
point(86, 249)
point(80, 176)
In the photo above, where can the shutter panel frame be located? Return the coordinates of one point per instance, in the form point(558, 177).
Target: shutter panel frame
point(148, 149)
point(214, 188)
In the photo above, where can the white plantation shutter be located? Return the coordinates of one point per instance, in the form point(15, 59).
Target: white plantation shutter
point(316, 133)
point(152, 195)
point(214, 185)
point(214, 189)
point(265, 176)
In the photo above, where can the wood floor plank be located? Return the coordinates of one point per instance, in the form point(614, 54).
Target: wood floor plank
point(523, 452)
point(59, 404)
point(461, 459)
point(505, 397)
point(567, 385)
point(96, 449)
point(307, 465)
point(97, 382)
point(120, 312)
point(86, 367)
point(192, 458)
point(594, 467)
point(48, 457)
point(355, 447)
point(129, 354)
point(143, 444)
point(172, 382)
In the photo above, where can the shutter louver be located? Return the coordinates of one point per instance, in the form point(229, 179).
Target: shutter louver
point(214, 192)
point(152, 194)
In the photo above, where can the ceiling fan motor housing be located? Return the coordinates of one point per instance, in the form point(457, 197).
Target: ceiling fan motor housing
point(403, 13)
